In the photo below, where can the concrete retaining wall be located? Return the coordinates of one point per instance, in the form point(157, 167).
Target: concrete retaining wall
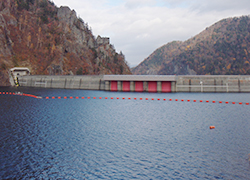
point(65, 82)
point(213, 83)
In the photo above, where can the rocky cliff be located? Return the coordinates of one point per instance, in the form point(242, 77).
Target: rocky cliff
point(220, 49)
point(51, 40)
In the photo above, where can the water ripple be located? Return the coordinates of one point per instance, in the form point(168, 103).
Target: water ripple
point(97, 139)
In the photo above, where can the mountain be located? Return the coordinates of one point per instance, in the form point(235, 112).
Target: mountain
point(54, 41)
point(221, 49)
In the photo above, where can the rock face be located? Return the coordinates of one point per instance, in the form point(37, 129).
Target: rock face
point(221, 49)
point(6, 51)
point(52, 41)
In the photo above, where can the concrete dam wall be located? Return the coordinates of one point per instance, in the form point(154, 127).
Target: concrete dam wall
point(65, 82)
point(142, 83)
point(213, 83)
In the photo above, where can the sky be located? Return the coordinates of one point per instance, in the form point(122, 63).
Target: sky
point(138, 27)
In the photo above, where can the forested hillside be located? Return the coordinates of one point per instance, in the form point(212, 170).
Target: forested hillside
point(220, 49)
point(51, 40)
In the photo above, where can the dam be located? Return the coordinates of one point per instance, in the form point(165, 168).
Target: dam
point(141, 83)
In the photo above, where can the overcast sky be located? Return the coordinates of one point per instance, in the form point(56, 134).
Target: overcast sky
point(139, 27)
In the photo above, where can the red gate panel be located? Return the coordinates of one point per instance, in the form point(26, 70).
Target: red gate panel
point(152, 86)
point(126, 86)
point(138, 86)
point(166, 86)
point(113, 86)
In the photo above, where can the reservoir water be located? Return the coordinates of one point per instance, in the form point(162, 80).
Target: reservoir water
point(123, 138)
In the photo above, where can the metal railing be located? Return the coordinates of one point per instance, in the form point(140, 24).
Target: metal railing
point(227, 87)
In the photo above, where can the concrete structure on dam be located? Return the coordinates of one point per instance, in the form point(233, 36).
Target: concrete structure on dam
point(142, 83)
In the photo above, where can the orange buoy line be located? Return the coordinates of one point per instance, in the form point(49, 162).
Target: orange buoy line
point(152, 99)
point(20, 94)
point(123, 98)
